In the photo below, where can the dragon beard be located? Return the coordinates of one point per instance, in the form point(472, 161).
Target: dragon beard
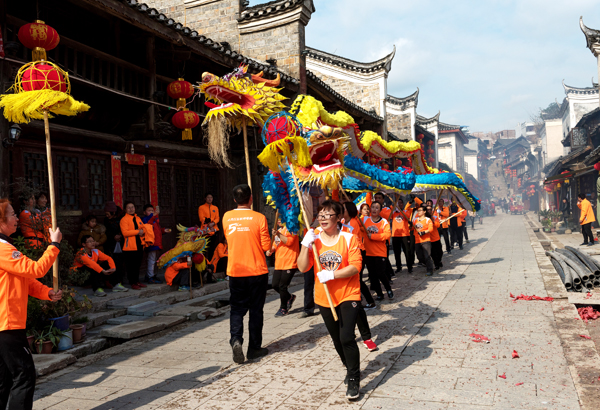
point(216, 137)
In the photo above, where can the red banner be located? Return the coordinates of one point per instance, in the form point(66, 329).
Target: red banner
point(153, 182)
point(135, 159)
point(117, 182)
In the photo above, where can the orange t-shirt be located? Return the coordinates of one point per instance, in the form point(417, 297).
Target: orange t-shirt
point(343, 253)
point(380, 233)
point(172, 271)
point(286, 254)
point(247, 234)
point(443, 213)
point(91, 261)
point(220, 252)
point(423, 224)
point(400, 226)
point(211, 212)
point(358, 231)
point(435, 235)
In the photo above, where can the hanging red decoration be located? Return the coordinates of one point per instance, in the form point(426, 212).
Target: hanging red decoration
point(180, 90)
point(430, 142)
point(430, 151)
point(186, 120)
point(39, 37)
point(597, 166)
point(43, 77)
point(420, 137)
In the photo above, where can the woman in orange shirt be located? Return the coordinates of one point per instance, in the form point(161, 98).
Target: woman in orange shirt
point(436, 244)
point(378, 233)
point(340, 260)
point(424, 227)
point(286, 248)
point(133, 249)
point(31, 224)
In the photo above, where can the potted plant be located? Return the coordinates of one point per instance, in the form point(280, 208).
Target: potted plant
point(58, 312)
point(47, 338)
point(547, 224)
point(79, 326)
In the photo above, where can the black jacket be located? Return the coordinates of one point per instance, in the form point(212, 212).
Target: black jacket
point(565, 208)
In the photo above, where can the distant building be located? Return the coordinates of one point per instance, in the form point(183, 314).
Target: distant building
point(451, 142)
point(505, 134)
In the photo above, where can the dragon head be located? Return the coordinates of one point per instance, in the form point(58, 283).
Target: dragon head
point(326, 147)
point(238, 96)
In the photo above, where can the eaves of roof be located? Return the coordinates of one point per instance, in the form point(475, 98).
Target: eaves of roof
point(579, 90)
point(350, 65)
point(340, 98)
point(182, 34)
point(587, 117)
point(270, 9)
point(404, 101)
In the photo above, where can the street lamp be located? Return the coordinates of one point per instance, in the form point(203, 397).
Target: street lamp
point(14, 132)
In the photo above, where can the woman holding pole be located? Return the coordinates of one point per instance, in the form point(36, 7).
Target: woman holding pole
point(340, 260)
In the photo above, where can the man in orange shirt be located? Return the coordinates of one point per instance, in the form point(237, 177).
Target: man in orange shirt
point(286, 248)
point(456, 232)
point(403, 239)
point(423, 228)
point(209, 218)
point(443, 212)
point(586, 218)
point(248, 239)
point(378, 233)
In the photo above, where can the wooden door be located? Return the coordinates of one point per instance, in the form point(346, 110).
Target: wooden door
point(135, 186)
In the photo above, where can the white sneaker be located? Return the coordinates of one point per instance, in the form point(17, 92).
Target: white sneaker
point(100, 293)
point(120, 288)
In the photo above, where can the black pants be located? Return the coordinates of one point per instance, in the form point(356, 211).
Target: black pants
point(376, 266)
point(247, 294)
point(466, 235)
point(182, 278)
point(363, 324)
point(586, 230)
point(423, 249)
point(364, 289)
point(444, 232)
point(281, 281)
point(309, 291)
point(404, 244)
point(211, 246)
point(342, 334)
point(133, 263)
point(456, 235)
point(221, 265)
point(436, 253)
point(17, 371)
point(98, 279)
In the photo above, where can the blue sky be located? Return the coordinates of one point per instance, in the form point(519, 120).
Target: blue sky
point(486, 64)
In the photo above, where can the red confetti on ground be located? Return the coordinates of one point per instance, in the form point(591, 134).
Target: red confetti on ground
point(585, 336)
point(589, 295)
point(588, 313)
point(518, 384)
point(503, 375)
point(511, 295)
point(532, 297)
point(515, 354)
point(493, 357)
point(482, 309)
point(479, 338)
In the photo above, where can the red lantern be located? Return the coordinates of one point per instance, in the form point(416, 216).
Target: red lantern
point(180, 90)
point(386, 166)
point(43, 77)
point(597, 166)
point(198, 258)
point(430, 142)
point(186, 120)
point(420, 137)
point(430, 151)
point(39, 37)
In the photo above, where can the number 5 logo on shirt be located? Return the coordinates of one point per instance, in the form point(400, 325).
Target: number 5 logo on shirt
point(233, 228)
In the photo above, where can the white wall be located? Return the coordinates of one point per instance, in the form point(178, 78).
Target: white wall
point(551, 140)
point(471, 165)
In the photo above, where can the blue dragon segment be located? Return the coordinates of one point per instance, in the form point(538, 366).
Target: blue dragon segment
point(447, 180)
point(375, 178)
point(279, 191)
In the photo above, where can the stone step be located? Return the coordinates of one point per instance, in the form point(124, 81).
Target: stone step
point(89, 346)
point(124, 319)
point(99, 318)
point(141, 328)
point(48, 363)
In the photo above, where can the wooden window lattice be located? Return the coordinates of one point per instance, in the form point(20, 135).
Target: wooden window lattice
point(68, 182)
point(97, 178)
point(165, 199)
point(36, 170)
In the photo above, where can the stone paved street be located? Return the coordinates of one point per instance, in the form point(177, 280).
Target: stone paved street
point(426, 358)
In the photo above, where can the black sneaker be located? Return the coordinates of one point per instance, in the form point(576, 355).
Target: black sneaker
point(346, 380)
point(291, 302)
point(461, 248)
point(238, 352)
point(410, 271)
point(281, 312)
point(252, 354)
point(582, 244)
point(390, 294)
point(398, 270)
point(370, 306)
point(379, 297)
point(353, 389)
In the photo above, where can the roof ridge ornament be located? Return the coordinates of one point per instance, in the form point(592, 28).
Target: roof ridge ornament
point(592, 37)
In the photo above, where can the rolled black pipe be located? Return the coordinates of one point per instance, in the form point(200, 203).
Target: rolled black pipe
point(586, 259)
point(588, 285)
point(566, 266)
point(563, 272)
point(596, 282)
point(573, 261)
point(578, 287)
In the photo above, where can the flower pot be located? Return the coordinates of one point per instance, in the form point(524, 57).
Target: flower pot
point(553, 230)
point(46, 347)
point(77, 332)
point(61, 323)
point(85, 325)
point(66, 341)
point(30, 341)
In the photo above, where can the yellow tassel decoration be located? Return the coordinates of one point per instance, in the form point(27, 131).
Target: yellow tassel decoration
point(186, 134)
point(275, 154)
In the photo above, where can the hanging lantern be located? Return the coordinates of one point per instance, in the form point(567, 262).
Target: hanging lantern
point(386, 166)
point(420, 137)
point(430, 142)
point(180, 90)
point(558, 185)
point(430, 151)
point(566, 181)
point(43, 77)
point(186, 120)
point(39, 37)
point(597, 166)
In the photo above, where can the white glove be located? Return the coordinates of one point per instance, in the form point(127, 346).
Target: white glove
point(309, 238)
point(325, 276)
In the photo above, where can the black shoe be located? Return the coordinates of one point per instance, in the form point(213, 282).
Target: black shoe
point(582, 244)
point(370, 306)
point(346, 380)
point(437, 268)
point(429, 273)
point(590, 244)
point(390, 294)
point(353, 389)
point(291, 302)
point(441, 265)
point(256, 353)
point(410, 271)
point(281, 312)
point(238, 352)
point(398, 270)
point(461, 248)
point(305, 314)
point(379, 297)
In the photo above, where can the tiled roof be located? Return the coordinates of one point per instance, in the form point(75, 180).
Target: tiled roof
point(396, 138)
point(426, 121)
point(339, 97)
point(270, 9)
point(588, 116)
point(222, 49)
point(591, 36)
point(403, 102)
point(351, 65)
point(577, 90)
point(448, 127)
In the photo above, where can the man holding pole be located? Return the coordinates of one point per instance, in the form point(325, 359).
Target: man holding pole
point(247, 234)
